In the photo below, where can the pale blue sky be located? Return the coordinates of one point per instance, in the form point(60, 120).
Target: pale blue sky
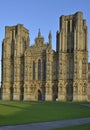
point(43, 14)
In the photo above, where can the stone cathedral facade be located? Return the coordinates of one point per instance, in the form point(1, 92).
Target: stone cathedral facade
point(37, 72)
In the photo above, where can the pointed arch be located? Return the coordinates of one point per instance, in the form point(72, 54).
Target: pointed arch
point(39, 95)
point(44, 70)
point(33, 70)
point(88, 78)
point(55, 92)
point(39, 69)
point(69, 92)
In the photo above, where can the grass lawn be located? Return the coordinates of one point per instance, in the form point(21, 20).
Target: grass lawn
point(16, 112)
point(79, 127)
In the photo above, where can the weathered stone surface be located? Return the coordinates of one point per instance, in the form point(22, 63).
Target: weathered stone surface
point(39, 73)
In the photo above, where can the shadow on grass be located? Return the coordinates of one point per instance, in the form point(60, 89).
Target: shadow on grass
point(12, 106)
point(40, 112)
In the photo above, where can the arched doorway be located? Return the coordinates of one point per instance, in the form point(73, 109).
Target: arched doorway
point(55, 93)
point(69, 92)
point(39, 95)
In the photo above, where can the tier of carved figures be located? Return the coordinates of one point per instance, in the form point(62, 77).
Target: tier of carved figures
point(37, 72)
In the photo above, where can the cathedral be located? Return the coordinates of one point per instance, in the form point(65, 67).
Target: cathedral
point(37, 72)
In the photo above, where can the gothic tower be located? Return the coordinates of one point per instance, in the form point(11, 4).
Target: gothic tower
point(14, 45)
point(72, 51)
point(37, 72)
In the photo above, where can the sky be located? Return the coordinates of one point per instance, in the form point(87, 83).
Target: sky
point(43, 14)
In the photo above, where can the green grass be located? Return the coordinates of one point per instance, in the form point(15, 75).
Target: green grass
point(79, 127)
point(15, 112)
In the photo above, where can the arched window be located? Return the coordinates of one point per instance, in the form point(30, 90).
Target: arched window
point(33, 70)
point(68, 26)
point(89, 79)
point(44, 70)
point(39, 69)
point(12, 49)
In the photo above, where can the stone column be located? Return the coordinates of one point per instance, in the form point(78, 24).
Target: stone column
point(5, 92)
point(48, 96)
point(61, 91)
point(16, 94)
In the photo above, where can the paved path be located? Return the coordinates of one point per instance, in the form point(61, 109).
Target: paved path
point(47, 125)
point(86, 105)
